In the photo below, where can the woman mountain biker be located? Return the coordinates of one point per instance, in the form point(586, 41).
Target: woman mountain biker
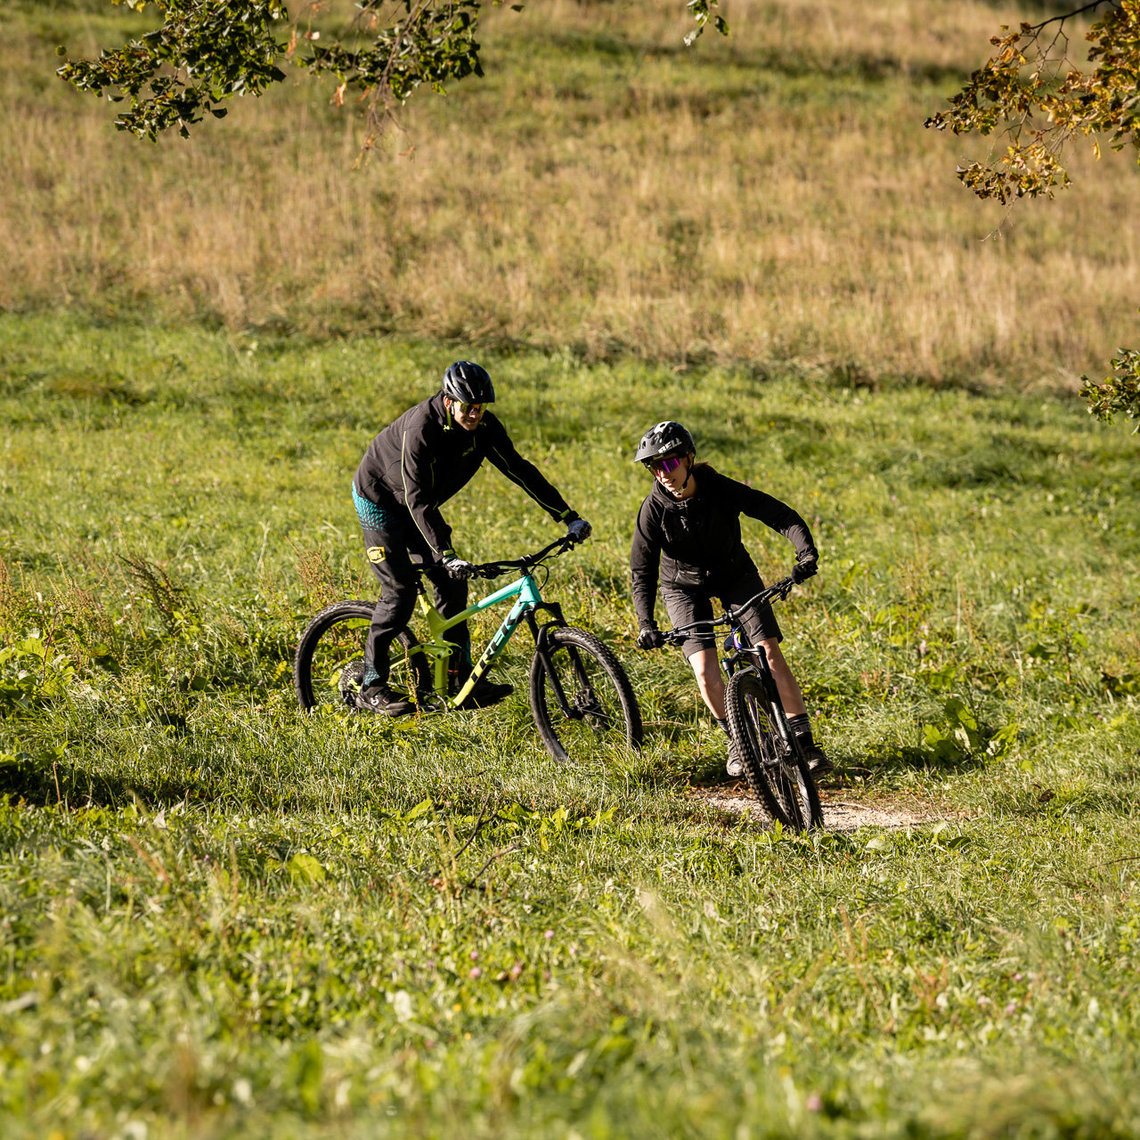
point(415, 464)
point(687, 537)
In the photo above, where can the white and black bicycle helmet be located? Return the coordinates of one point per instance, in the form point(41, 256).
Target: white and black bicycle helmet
point(468, 383)
point(665, 438)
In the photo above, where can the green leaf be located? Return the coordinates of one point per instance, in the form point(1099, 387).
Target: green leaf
point(304, 868)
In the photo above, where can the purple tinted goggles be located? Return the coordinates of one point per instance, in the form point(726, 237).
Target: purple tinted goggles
point(666, 464)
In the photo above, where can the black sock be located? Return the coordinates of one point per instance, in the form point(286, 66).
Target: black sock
point(801, 728)
point(722, 723)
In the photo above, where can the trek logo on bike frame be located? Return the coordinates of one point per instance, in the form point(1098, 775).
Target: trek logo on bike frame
point(502, 636)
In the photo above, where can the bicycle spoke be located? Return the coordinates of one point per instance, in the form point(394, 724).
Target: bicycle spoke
point(329, 666)
point(581, 697)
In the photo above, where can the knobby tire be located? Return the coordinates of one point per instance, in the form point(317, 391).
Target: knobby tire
point(328, 666)
point(806, 788)
point(783, 784)
point(603, 711)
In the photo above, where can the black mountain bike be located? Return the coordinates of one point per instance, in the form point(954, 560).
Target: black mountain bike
point(773, 757)
point(580, 695)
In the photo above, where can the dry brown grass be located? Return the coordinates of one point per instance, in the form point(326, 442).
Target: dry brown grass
point(772, 197)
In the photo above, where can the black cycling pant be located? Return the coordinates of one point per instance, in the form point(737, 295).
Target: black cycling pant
point(694, 603)
point(394, 548)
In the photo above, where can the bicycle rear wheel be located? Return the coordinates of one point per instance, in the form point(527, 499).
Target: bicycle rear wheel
point(580, 696)
point(782, 782)
point(328, 667)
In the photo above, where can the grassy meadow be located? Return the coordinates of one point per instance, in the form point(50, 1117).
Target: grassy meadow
point(220, 918)
point(769, 197)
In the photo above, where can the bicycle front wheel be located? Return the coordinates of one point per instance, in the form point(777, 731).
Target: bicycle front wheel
point(807, 790)
point(783, 783)
point(328, 668)
point(580, 696)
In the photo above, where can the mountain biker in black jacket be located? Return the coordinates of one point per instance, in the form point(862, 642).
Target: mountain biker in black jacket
point(687, 538)
point(410, 469)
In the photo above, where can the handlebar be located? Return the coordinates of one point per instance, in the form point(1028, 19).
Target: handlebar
point(778, 591)
point(526, 562)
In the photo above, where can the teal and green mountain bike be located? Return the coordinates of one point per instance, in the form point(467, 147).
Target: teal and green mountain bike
point(580, 696)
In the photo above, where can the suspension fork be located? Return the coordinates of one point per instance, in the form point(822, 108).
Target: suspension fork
point(541, 640)
point(780, 721)
point(736, 659)
point(733, 655)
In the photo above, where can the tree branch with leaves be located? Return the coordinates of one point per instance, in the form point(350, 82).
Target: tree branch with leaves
point(1118, 393)
point(205, 52)
point(1032, 91)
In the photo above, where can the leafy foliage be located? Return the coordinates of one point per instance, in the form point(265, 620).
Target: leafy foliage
point(1031, 89)
point(31, 672)
point(1119, 392)
point(206, 52)
point(175, 75)
point(703, 11)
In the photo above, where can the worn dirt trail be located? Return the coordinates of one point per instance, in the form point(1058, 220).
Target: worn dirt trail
point(841, 811)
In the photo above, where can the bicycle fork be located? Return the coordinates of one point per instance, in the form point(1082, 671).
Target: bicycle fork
point(572, 711)
point(734, 650)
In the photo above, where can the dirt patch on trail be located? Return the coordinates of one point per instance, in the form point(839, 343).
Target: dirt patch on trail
point(841, 811)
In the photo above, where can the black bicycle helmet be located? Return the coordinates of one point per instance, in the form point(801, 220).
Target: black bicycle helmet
point(468, 383)
point(665, 438)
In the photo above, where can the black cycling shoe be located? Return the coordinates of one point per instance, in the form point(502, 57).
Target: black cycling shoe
point(484, 693)
point(487, 693)
point(385, 701)
point(818, 763)
point(735, 766)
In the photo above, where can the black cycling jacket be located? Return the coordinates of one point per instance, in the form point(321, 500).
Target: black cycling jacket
point(423, 458)
point(695, 542)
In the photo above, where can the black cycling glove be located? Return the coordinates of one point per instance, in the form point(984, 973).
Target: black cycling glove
point(650, 639)
point(804, 570)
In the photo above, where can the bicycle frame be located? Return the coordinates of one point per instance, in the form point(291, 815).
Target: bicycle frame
point(438, 649)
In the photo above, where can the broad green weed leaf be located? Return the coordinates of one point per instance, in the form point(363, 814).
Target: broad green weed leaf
point(304, 868)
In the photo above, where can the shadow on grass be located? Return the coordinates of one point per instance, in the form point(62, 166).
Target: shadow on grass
point(47, 785)
point(1075, 802)
point(886, 759)
point(866, 67)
